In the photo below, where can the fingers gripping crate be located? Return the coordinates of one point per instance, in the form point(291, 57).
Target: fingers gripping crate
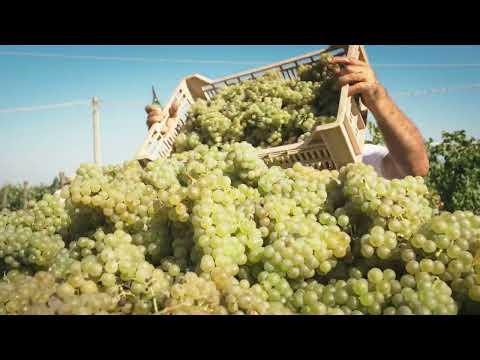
point(330, 146)
point(159, 144)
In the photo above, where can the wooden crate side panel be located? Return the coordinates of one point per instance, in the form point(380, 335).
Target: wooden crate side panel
point(143, 151)
point(316, 156)
point(294, 149)
point(157, 144)
point(195, 84)
point(355, 133)
point(353, 105)
point(337, 141)
point(363, 54)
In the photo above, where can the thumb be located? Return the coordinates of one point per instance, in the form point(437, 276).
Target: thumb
point(173, 109)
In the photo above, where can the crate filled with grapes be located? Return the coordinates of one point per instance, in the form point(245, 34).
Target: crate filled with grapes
point(291, 110)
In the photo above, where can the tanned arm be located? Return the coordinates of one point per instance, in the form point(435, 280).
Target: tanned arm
point(407, 152)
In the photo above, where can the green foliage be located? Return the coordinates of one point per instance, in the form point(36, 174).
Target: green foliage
point(15, 194)
point(454, 170)
point(376, 136)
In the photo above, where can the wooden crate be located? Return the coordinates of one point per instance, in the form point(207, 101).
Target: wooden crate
point(330, 146)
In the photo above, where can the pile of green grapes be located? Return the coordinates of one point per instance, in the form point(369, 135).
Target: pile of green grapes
point(267, 111)
point(214, 230)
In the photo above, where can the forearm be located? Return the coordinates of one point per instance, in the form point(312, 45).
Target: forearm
point(402, 138)
point(405, 144)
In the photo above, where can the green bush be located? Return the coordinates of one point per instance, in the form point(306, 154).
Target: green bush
point(454, 170)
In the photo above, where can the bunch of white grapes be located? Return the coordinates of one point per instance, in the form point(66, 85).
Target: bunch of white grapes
point(400, 206)
point(20, 246)
point(448, 246)
point(48, 214)
point(377, 293)
point(192, 294)
point(214, 230)
point(120, 195)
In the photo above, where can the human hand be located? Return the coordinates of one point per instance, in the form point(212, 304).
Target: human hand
point(361, 80)
point(157, 114)
point(154, 114)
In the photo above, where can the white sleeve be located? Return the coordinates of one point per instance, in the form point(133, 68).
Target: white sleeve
point(373, 155)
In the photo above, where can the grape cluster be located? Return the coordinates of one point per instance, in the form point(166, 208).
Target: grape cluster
point(214, 230)
point(266, 111)
point(301, 238)
point(117, 192)
point(241, 298)
point(21, 246)
point(312, 298)
point(48, 214)
point(380, 242)
point(243, 164)
point(192, 294)
point(224, 236)
point(277, 287)
point(156, 238)
point(66, 302)
point(377, 293)
point(400, 206)
point(24, 294)
point(448, 246)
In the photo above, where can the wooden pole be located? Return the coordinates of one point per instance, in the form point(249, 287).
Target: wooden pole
point(61, 178)
point(5, 197)
point(25, 194)
point(97, 152)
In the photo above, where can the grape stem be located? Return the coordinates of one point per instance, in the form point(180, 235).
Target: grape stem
point(193, 180)
point(366, 185)
point(155, 306)
point(123, 293)
point(170, 308)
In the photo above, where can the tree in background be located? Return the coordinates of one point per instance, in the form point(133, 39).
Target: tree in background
point(13, 196)
point(455, 171)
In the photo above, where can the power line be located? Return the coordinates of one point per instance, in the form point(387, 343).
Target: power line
point(208, 61)
point(45, 107)
point(108, 103)
point(439, 90)
point(129, 59)
point(74, 103)
point(426, 65)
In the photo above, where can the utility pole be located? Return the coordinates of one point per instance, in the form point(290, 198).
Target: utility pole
point(62, 180)
point(5, 197)
point(97, 152)
point(25, 194)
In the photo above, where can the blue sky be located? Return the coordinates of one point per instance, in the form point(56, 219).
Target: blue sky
point(37, 145)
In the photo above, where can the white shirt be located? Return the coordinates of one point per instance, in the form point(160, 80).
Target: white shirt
point(374, 155)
